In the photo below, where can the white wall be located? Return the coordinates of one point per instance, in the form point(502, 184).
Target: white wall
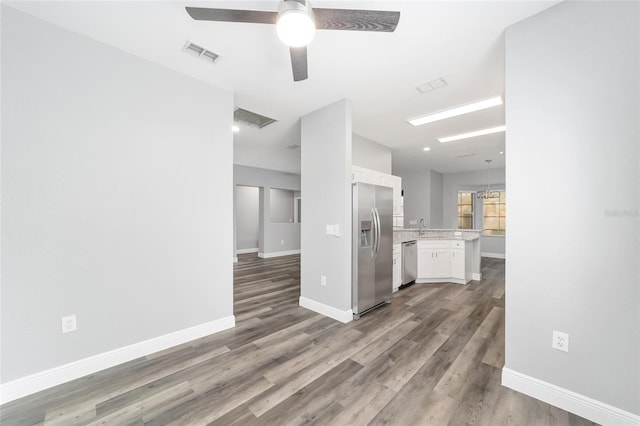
point(247, 217)
point(326, 191)
point(370, 155)
point(270, 235)
point(573, 129)
point(115, 177)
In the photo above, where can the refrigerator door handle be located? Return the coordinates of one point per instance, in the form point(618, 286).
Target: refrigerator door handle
point(377, 230)
point(374, 234)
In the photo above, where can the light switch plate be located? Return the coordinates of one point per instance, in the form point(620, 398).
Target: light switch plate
point(329, 229)
point(336, 230)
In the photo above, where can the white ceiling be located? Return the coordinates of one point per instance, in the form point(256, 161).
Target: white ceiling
point(462, 42)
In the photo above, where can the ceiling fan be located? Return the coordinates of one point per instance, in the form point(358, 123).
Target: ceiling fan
point(296, 22)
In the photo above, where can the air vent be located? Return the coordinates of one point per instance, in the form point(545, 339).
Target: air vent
point(201, 52)
point(251, 118)
point(432, 85)
point(294, 146)
point(466, 155)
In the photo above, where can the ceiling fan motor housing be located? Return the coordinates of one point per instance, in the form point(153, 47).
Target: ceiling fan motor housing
point(296, 24)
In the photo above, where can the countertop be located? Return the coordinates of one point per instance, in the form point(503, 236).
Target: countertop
point(402, 235)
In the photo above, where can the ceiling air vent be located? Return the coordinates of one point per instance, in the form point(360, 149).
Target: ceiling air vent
point(294, 146)
point(432, 85)
point(471, 154)
point(251, 118)
point(201, 52)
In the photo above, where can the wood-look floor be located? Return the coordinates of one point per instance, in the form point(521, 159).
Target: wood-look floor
point(431, 357)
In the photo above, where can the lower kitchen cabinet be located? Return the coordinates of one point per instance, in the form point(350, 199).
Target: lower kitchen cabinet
point(397, 266)
point(458, 264)
point(442, 261)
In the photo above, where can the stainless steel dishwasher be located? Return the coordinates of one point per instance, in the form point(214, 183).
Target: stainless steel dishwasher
point(409, 262)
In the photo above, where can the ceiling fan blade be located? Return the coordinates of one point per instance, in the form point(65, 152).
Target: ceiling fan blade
point(299, 62)
point(232, 15)
point(356, 20)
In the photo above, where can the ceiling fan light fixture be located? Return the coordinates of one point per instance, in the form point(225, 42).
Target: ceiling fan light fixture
point(296, 26)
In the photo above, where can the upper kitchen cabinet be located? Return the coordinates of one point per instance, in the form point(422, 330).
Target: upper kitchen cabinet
point(361, 174)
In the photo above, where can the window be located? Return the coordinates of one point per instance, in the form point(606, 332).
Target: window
point(465, 210)
point(495, 215)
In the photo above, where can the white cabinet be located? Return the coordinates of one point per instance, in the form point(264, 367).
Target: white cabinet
point(360, 174)
point(457, 264)
point(442, 261)
point(397, 267)
point(425, 262)
point(434, 263)
point(397, 195)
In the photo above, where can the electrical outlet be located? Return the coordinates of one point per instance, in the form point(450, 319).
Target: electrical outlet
point(323, 280)
point(281, 242)
point(560, 341)
point(69, 324)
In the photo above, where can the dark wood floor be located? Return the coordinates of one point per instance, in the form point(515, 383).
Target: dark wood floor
point(431, 357)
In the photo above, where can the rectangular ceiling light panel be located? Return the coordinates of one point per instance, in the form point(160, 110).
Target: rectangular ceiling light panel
point(454, 112)
point(472, 134)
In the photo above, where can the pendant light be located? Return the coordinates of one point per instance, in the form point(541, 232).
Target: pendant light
point(487, 193)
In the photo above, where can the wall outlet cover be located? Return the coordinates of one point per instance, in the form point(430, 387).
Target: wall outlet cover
point(69, 324)
point(560, 341)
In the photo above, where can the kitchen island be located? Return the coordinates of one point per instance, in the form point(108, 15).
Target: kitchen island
point(445, 255)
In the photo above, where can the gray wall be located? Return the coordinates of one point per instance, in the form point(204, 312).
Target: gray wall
point(416, 186)
point(370, 155)
point(422, 198)
point(270, 235)
point(577, 142)
point(326, 190)
point(247, 216)
point(436, 182)
point(115, 177)
point(281, 205)
point(473, 181)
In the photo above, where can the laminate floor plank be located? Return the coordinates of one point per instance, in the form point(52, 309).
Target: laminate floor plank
point(433, 356)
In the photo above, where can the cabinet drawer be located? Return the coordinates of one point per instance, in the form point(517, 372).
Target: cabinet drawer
point(429, 244)
point(457, 244)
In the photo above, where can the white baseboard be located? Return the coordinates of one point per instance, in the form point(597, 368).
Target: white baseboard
point(583, 406)
point(235, 259)
point(493, 255)
point(326, 310)
point(249, 250)
point(440, 280)
point(476, 276)
point(55, 376)
point(278, 253)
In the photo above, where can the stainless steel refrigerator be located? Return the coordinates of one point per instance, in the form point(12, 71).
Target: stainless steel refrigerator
point(372, 247)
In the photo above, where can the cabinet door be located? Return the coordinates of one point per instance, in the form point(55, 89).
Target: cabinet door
point(397, 194)
point(457, 264)
point(442, 263)
point(425, 263)
point(397, 270)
